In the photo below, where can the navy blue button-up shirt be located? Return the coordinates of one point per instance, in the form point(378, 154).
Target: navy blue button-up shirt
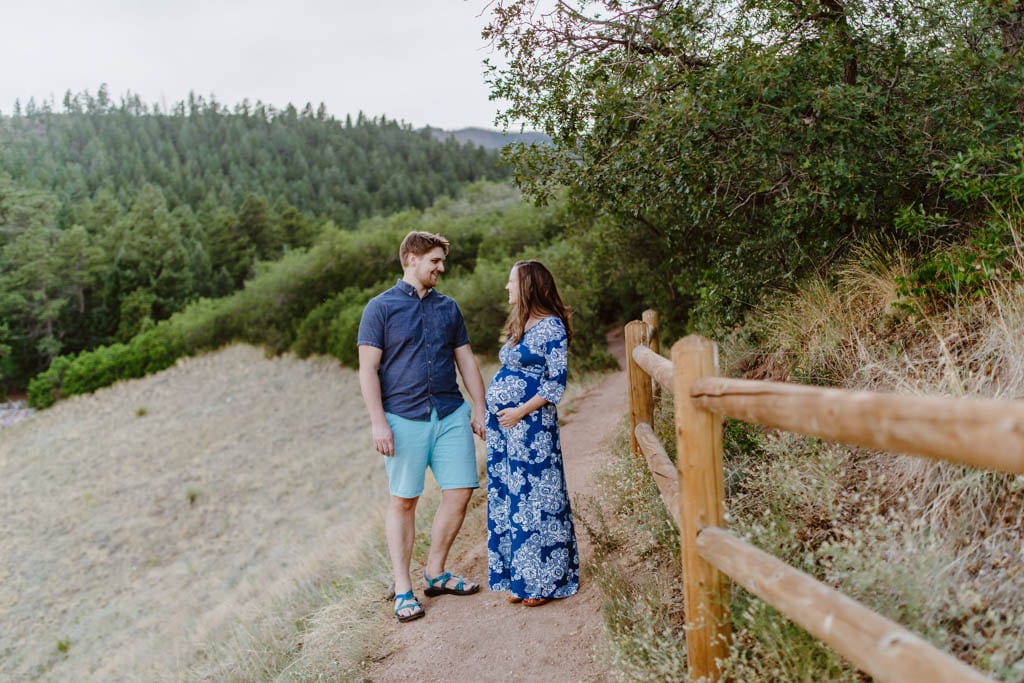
point(418, 338)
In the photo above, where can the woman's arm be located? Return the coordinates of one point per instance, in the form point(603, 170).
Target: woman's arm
point(552, 385)
point(510, 417)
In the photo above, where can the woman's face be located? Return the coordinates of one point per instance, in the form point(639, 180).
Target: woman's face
point(513, 287)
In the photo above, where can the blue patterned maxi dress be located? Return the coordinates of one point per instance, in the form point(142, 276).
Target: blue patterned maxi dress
point(531, 543)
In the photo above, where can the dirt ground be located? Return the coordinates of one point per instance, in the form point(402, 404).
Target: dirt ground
point(482, 637)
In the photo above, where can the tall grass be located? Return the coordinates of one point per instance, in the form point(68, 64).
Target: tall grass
point(317, 624)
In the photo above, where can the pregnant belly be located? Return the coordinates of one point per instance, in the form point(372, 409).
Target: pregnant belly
point(507, 390)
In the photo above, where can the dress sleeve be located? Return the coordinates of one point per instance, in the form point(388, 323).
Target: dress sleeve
point(556, 364)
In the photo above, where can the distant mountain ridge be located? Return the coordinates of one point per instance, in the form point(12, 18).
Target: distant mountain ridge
point(490, 139)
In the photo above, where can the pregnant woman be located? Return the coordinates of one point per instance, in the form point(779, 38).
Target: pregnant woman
point(531, 543)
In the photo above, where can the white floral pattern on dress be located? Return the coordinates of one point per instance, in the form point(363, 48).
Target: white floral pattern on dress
point(531, 542)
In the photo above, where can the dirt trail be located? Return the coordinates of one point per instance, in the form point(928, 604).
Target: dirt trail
point(484, 638)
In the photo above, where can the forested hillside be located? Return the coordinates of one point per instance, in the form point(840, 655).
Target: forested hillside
point(202, 153)
point(309, 301)
point(115, 216)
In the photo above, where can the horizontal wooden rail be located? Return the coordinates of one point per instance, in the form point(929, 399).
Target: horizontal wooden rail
point(981, 433)
point(882, 648)
point(655, 365)
point(664, 470)
point(968, 431)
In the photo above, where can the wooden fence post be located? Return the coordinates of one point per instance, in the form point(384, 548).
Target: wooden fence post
point(701, 504)
point(650, 316)
point(641, 400)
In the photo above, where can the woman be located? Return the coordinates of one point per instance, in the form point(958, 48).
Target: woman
point(531, 543)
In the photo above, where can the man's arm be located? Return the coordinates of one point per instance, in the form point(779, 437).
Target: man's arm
point(474, 382)
point(369, 384)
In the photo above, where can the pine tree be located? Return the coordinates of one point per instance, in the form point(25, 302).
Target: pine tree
point(151, 255)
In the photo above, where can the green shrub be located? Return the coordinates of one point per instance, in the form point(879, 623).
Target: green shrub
point(46, 388)
point(950, 277)
point(315, 329)
point(332, 327)
point(343, 335)
point(484, 303)
point(988, 180)
point(97, 368)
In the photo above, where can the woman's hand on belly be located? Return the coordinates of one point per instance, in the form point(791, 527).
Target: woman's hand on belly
point(510, 417)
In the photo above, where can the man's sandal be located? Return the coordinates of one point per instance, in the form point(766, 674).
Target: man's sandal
point(407, 601)
point(439, 585)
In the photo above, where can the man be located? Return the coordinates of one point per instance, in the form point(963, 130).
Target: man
point(411, 338)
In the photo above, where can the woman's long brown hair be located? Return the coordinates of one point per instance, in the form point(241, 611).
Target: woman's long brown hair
point(538, 296)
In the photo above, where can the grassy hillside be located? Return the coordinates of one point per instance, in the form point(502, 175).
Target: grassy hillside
point(158, 527)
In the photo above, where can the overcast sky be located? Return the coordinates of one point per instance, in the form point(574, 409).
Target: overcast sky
point(418, 61)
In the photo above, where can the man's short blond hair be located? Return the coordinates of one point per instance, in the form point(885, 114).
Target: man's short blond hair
point(419, 242)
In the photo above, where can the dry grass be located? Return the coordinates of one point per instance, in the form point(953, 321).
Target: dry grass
point(934, 547)
point(218, 521)
point(199, 523)
point(826, 333)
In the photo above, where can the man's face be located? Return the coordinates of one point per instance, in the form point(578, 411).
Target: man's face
point(427, 268)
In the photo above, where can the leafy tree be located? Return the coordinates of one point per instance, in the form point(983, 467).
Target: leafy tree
point(735, 145)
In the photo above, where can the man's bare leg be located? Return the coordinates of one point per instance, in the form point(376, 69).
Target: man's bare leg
point(400, 530)
point(447, 522)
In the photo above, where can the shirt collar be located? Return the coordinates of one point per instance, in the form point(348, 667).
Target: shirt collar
point(406, 288)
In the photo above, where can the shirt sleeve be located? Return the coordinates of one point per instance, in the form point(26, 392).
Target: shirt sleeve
point(556, 364)
point(371, 325)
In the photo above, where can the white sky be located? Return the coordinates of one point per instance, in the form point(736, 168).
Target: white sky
point(417, 61)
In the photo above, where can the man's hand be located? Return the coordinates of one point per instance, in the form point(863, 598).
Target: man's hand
point(478, 423)
point(383, 439)
point(470, 371)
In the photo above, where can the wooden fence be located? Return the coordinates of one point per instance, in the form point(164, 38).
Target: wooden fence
point(981, 433)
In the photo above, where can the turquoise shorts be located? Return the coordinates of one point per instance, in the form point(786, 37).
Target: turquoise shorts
point(445, 446)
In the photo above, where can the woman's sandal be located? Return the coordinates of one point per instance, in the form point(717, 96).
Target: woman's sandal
point(439, 585)
point(514, 599)
point(408, 601)
point(536, 602)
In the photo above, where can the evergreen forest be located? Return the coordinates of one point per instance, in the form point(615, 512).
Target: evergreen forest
point(114, 216)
